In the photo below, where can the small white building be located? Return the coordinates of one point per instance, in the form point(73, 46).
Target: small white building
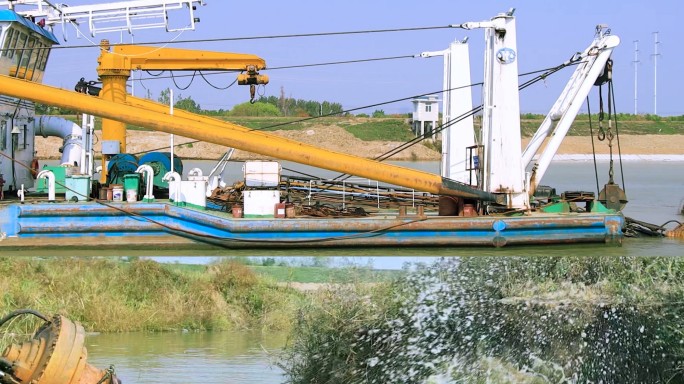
point(425, 116)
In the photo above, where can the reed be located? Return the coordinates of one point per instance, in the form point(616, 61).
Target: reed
point(107, 295)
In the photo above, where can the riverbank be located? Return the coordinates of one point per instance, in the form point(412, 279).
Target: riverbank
point(112, 295)
point(338, 139)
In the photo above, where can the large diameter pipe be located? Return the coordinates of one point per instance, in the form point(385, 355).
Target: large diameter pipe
point(69, 131)
point(232, 135)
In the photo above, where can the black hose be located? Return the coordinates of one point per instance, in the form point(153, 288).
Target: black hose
point(20, 312)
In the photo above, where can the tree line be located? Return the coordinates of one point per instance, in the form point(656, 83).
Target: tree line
point(264, 106)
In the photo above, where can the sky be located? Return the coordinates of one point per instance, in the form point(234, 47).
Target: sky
point(549, 33)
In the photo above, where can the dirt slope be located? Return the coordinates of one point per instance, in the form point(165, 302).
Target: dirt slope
point(338, 139)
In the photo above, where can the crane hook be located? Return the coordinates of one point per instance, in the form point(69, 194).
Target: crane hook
point(252, 93)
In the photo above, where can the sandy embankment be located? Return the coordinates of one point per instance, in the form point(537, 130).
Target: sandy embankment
point(338, 139)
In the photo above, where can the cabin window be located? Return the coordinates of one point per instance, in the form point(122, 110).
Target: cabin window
point(33, 59)
point(6, 49)
point(3, 135)
point(428, 108)
point(42, 61)
point(11, 44)
point(20, 45)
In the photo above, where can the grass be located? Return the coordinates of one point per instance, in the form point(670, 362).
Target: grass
point(386, 129)
point(396, 129)
point(301, 274)
point(107, 295)
point(115, 295)
point(324, 275)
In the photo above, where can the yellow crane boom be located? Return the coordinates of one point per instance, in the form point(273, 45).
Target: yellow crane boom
point(146, 114)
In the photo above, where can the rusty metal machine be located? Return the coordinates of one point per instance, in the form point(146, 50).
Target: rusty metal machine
point(56, 354)
point(677, 232)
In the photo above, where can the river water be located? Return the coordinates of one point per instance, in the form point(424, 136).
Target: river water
point(655, 191)
point(204, 357)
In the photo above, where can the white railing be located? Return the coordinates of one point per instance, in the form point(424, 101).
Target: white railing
point(109, 16)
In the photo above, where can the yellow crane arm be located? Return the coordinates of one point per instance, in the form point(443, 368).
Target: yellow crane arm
point(144, 113)
point(116, 63)
point(135, 57)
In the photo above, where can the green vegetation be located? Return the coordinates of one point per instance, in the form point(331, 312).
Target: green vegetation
point(378, 113)
point(323, 274)
point(111, 295)
point(256, 109)
point(500, 319)
point(626, 124)
point(289, 106)
point(382, 129)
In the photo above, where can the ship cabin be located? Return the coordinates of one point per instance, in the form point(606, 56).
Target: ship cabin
point(25, 46)
point(24, 49)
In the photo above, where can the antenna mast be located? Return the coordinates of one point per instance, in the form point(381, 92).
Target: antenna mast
point(655, 73)
point(636, 74)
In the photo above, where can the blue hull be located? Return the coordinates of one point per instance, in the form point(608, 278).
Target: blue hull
point(163, 225)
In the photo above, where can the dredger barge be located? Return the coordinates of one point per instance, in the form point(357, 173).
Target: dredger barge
point(488, 192)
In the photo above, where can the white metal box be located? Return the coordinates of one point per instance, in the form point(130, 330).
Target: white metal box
point(262, 174)
point(192, 193)
point(260, 203)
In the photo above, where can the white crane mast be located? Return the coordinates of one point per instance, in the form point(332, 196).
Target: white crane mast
point(503, 170)
point(458, 135)
point(559, 119)
point(504, 163)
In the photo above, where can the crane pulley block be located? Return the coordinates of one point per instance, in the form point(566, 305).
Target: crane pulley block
point(252, 79)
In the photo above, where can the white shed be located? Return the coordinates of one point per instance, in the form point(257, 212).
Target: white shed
point(425, 116)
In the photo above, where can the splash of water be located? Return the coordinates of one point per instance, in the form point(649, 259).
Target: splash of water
point(524, 320)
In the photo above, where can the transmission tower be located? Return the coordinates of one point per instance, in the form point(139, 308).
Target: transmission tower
point(636, 75)
point(655, 73)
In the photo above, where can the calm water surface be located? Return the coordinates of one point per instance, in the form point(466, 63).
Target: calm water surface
point(207, 357)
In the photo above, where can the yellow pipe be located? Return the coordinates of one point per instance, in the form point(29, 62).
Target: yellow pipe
point(232, 135)
point(303, 153)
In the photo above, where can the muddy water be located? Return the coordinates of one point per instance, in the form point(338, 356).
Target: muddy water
point(207, 357)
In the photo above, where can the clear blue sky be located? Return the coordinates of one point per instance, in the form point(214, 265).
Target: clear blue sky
point(549, 32)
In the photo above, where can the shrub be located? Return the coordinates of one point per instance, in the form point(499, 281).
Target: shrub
point(256, 109)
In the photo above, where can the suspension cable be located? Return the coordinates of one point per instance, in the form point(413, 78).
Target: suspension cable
point(472, 112)
point(617, 135)
point(187, 86)
point(272, 37)
point(593, 147)
point(545, 73)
